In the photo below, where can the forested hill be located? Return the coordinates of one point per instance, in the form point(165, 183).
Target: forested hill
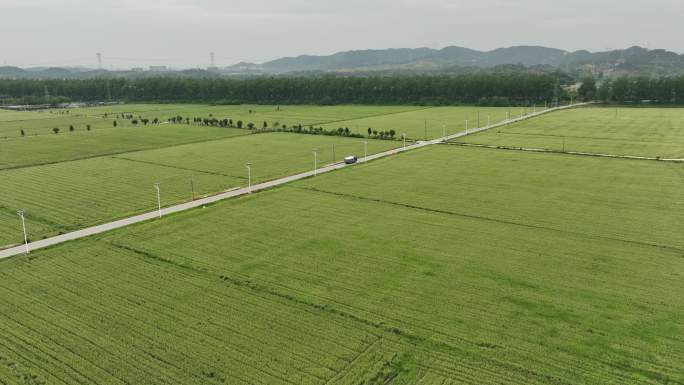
point(633, 61)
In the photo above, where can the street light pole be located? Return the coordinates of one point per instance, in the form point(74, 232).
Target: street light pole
point(404, 135)
point(466, 127)
point(156, 186)
point(315, 153)
point(249, 177)
point(23, 226)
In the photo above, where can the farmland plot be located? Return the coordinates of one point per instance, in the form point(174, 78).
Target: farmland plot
point(257, 114)
point(482, 300)
point(36, 150)
point(99, 313)
point(67, 196)
point(650, 132)
point(429, 123)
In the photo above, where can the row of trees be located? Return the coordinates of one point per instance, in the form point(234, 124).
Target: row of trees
point(514, 89)
point(667, 90)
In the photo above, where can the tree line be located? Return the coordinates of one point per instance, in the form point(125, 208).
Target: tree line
point(664, 90)
point(484, 89)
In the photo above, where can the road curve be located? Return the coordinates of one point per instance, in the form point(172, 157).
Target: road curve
point(47, 242)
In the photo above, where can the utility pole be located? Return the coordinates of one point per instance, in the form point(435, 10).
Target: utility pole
point(444, 134)
point(192, 186)
point(333, 149)
point(249, 177)
point(466, 132)
point(404, 135)
point(426, 130)
point(23, 226)
point(365, 150)
point(478, 119)
point(315, 153)
point(156, 186)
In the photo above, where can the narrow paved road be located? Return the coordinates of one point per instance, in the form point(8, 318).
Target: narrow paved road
point(6, 253)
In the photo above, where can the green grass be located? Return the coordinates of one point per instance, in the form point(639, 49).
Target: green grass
point(67, 196)
point(470, 266)
point(650, 132)
point(131, 318)
point(36, 150)
point(42, 122)
point(42, 146)
point(427, 123)
point(257, 114)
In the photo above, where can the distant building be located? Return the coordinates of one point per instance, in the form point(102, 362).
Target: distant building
point(137, 69)
point(158, 68)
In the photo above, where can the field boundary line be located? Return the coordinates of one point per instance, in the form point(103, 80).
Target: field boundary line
point(152, 215)
point(112, 154)
point(177, 167)
point(576, 153)
point(373, 116)
point(491, 219)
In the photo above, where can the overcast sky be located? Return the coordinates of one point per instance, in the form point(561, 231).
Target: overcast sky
point(181, 33)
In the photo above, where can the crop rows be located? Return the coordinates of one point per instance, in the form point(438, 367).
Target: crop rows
point(430, 123)
point(155, 322)
point(514, 304)
point(650, 132)
point(67, 196)
point(30, 151)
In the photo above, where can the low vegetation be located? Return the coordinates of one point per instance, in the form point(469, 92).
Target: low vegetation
point(649, 132)
point(444, 264)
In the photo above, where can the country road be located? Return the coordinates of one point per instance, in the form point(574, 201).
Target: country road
point(43, 243)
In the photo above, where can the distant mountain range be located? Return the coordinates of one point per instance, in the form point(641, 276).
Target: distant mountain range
point(631, 61)
point(635, 60)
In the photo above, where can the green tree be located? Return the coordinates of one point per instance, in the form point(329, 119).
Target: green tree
point(587, 91)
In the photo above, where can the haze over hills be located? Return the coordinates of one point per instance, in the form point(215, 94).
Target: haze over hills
point(630, 61)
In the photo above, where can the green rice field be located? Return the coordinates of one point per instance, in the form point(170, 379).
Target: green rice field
point(71, 195)
point(354, 276)
point(648, 132)
point(431, 123)
point(443, 265)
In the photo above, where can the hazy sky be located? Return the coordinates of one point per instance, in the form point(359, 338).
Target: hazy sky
point(181, 33)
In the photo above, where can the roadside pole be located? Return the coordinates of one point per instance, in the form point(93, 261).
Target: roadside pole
point(23, 226)
point(157, 187)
